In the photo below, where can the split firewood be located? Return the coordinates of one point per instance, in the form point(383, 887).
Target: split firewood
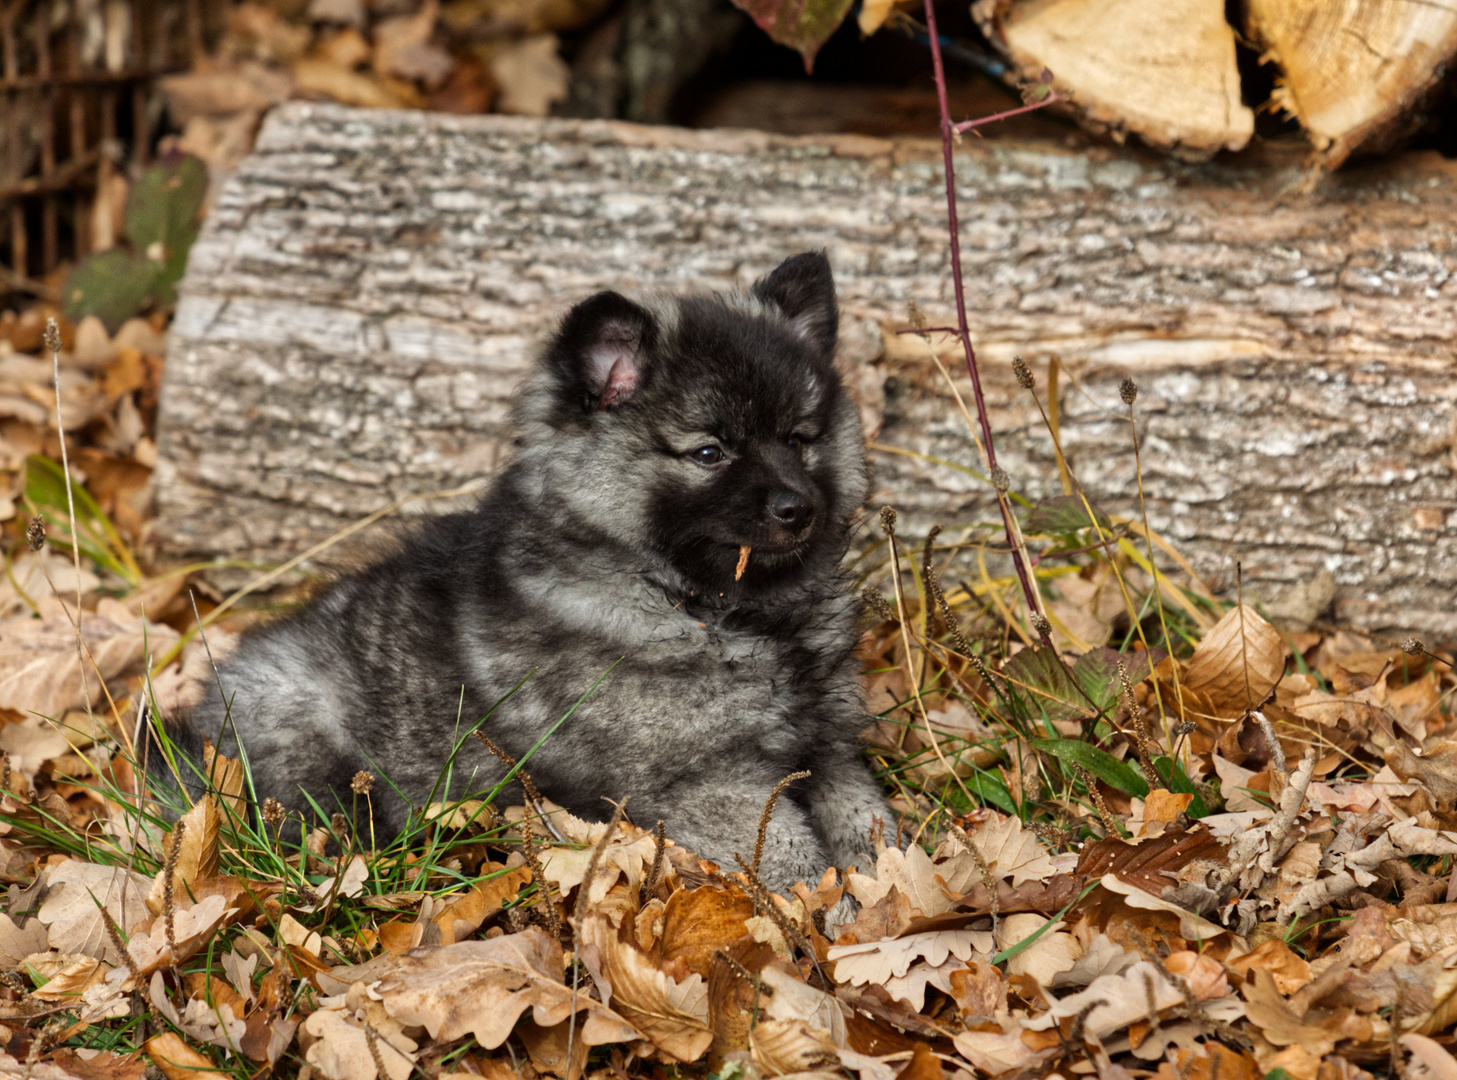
point(1354, 73)
point(1161, 69)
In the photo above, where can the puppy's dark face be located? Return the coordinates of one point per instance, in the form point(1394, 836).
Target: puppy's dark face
point(714, 432)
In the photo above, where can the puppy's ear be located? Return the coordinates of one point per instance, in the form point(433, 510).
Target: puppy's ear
point(599, 347)
point(804, 289)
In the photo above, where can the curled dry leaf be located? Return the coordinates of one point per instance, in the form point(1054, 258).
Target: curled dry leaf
point(791, 998)
point(481, 988)
point(197, 855)
point(193, 927)
point(337, 1040)
point(67, 975)
point(671, 1014)
point(1237, 663)
point(790, 1047)
point(1117, 1001)
point(178, 1061)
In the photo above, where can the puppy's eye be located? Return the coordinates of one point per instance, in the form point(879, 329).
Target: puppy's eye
point(707, 455)
point(797, 441)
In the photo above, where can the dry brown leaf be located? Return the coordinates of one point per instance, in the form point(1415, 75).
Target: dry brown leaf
point(906, 966)
point(402, 47)
point(698, 922)
point(1238, 662)
point(480, 988)
point(1289, 970)
point(197, 855)
point(790, 1047)
point(73, 922)
point(337, 1044)
point(1114, 1002)
point(13, 1069)
point(319, 78)
point(178, 1061)
point(193, 928)
point(100, 1064)
point(628, 856)
point(672, 1014)
point(910, 871)
point(531, 75)
point(1010, 851)
point(995, 1052)
point(39, 669)
point(791, 998)
point(19, 941)
point(1429, 1059)
point(1052, 954)
point(67, 975)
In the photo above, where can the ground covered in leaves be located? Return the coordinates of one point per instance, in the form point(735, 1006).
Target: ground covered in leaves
point(1190, 845)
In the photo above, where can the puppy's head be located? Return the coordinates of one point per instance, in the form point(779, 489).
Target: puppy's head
point(689, 430)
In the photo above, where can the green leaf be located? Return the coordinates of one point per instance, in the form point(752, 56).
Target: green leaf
point(803, 25)
point(112, 285)
point(1096, 671)
point(1044, 685)
point(1100, 763)
point(45, 494)
point(163, 212)
point(989, 789)
point(1062, 514)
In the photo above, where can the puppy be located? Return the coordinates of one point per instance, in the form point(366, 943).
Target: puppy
point(666, 541)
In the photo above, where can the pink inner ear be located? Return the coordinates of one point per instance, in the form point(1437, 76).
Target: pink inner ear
point(615, 364)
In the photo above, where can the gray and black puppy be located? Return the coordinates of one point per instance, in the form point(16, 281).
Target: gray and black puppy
point(659, 444)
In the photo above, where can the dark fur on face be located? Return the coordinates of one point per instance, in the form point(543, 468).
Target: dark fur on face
point(657, 440)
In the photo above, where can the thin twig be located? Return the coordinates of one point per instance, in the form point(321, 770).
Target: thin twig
point(1029, 588)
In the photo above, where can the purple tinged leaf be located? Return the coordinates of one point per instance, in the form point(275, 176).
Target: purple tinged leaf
point(803, 25)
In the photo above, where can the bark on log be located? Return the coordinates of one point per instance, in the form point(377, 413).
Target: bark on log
point(370, 285)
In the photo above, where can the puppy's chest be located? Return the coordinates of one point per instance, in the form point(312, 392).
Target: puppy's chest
point(685, 679)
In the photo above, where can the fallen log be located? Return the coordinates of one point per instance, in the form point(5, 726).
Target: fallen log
point(371, 285)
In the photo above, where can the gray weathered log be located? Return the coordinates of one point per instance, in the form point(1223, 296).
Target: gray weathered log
point(370, 286)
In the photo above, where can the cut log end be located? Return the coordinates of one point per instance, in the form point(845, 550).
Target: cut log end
point(1165, 71)
point(1355, 74)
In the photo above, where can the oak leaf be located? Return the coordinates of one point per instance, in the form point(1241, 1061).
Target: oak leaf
point(671, 1014)
point(73, 921)
point(905, 966)
point(481, 988)
point(1010, 851)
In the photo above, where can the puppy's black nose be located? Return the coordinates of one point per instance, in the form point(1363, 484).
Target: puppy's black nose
point(791, 510)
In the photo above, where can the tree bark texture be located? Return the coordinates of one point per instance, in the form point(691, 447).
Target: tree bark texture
point(370, 286)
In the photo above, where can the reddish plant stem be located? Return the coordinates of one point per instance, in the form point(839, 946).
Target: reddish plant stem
point(982, 121)
point(962, 330)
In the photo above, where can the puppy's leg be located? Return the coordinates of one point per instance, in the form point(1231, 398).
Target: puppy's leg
point(720, 818)
point(844, 800)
